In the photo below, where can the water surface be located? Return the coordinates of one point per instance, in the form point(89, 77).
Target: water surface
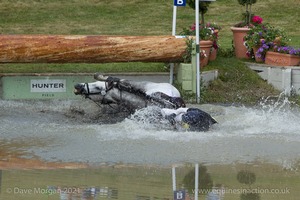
point(68, 143)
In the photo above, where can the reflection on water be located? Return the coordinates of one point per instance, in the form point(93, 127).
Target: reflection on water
point(72, 192)
point(70, 151)
point(235, 181)
point(116, 182)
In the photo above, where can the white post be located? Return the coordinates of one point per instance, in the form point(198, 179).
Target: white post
point(197, 52)
point(287, 81)
point(196, 179)
point(174, 20)
point(174, 179)
point(173, 33)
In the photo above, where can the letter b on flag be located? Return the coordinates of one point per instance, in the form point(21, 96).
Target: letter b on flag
point(179, 195)
point(179, 2)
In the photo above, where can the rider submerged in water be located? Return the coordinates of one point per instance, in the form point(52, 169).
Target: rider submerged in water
point(190, 119)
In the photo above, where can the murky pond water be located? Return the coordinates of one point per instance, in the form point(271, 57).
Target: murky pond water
point(72, 149)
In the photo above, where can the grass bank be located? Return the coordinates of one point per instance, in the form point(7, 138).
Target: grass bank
point(82, 67)
point(136, 17)
point(236, 84)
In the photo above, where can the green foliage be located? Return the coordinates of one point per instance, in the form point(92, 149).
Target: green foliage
point(187, 56)
point(203, 7)
point(188, 96)
point(248, 13)
point(226, 52)
point(205, 33)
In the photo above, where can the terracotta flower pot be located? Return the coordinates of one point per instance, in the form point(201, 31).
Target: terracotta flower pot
point(281, 59)
point(257, 59)
point(238, 41)
point(213, 54)
point(206, 46)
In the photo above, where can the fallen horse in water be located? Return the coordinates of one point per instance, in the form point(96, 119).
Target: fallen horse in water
point(136, 95)
point(130, 94)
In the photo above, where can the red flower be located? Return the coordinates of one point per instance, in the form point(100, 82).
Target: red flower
point(193, 27)
point(257, 19)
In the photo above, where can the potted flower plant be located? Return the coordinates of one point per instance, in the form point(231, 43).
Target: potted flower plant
point(207, 36)
point(214, 49)
point(261, 38)
point(240, 30)
point(283, 56)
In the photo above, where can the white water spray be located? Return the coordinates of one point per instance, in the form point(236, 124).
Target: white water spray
point(269, 131)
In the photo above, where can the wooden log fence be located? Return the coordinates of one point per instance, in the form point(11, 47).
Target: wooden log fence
point(90, 49)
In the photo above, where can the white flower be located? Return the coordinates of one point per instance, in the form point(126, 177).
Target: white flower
point(203, 54)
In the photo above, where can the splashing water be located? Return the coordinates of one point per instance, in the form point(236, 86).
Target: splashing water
point(72, 131)
point(270, 119)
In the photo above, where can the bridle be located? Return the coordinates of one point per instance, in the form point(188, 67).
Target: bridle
point(88, 93)
point(102, 93)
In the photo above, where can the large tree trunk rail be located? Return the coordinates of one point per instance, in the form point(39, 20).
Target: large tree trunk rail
point(90, 49)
